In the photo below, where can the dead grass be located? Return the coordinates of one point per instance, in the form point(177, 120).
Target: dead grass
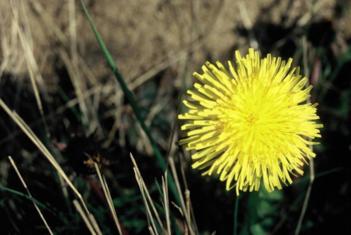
point(141, 34)
point(148, 38)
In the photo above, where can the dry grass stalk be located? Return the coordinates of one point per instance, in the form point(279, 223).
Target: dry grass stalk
point(151, 231)
point(79, 86)
point(37, 142)
point(72, 63)
point(311, 165)
point(71, 103)
point(95, 224)
point(189, 207)
point(48, 21)
point(185, 210)
point(166, 202)
point(11, 58)
point(32, 66)
point(247, 22)
point(108, 197)
point(306, 199)
point(151, 211)
point(84, 217)
point(30, 195)
point(153, 216)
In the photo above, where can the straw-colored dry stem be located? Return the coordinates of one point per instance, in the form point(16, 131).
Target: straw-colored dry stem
point(30, 195)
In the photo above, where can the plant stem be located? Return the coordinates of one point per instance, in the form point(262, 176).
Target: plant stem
point(236, 209)
point(131, 99)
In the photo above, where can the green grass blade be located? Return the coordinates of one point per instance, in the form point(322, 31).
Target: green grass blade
point(22, 195)
point(131, 99)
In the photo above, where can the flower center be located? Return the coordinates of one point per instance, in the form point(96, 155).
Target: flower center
point(252, 119)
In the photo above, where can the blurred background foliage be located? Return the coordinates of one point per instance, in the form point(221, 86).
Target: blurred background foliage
point(79, 111)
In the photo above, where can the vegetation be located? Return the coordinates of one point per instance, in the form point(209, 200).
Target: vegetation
point(90, 92)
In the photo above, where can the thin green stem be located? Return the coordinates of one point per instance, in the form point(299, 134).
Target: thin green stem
point(306, 200)
point(251, 213)
point(236, 209)
point(131, 99)
point(17, 193)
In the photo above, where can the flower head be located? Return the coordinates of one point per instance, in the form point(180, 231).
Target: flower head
point(252, 123)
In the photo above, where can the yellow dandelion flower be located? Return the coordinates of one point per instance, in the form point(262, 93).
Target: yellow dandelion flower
point(250, 123)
